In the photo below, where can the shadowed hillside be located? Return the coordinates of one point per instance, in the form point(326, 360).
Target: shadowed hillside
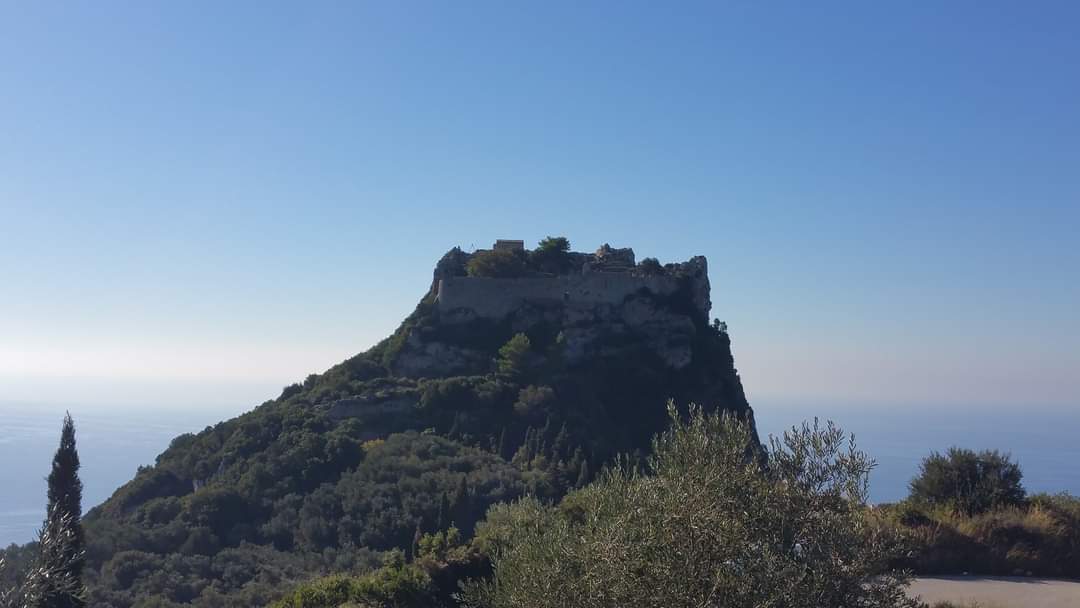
point(519, 372)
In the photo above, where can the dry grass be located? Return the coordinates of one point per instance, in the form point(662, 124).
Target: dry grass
point(1041, 538)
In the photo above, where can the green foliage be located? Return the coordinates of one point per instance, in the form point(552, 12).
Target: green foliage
point(552, 255)
point(442, 546)
point(385, 352)
point(969, 482)
point(235, 514)
point(496, 264)
point(392, 586)
point(556, 244)
point(1040, 537)
point(535, 403)
point(217, 509)
point(49, 581)
point(15, 563)
point(702, 523)
point(57, 580)
point(513, 356)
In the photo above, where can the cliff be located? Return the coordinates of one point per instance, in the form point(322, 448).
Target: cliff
point(519, 372)
point(592, 311)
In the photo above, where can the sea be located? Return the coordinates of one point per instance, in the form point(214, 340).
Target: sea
point(114, 441)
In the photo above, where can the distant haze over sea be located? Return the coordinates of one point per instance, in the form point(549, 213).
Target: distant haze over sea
point(114, 442)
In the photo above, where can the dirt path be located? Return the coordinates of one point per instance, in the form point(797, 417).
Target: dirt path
point(999, 592)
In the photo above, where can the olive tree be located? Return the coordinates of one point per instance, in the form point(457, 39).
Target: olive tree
point(711, 519)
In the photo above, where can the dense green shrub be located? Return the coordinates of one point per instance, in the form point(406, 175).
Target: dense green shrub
point(513, 356)
point(534, 403)
point(393, 586)
point(970, 482)
point(497, 264)
point(1040, 537)
point(552, 255)
point(701, 521)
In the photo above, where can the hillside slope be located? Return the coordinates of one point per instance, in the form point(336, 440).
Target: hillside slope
point(518, 372)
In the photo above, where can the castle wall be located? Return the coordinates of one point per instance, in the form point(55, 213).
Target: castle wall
point(496, 298)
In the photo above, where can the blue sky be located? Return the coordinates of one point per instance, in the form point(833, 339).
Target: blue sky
point(201, 202)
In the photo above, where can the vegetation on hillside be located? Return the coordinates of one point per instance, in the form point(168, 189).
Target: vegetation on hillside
point(406, 486)
point(551, 256)
point(968, 512)
point(969, 482)
point(497, 264)
point(240, 512)
point(703, 521)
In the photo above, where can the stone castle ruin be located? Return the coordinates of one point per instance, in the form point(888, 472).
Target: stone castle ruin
point(596, 301)
point(607, 277)
point(598, 314)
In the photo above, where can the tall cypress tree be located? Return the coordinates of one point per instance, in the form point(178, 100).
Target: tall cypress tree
point(64, 522)
point(583, 475)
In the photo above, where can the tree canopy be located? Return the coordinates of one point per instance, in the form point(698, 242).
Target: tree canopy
point(968, 481)
point(703, 523)
point(496, 264)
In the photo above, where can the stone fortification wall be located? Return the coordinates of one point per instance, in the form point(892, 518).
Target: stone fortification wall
point(496, 298)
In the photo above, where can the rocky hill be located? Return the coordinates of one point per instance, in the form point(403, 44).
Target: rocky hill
point(519, 372)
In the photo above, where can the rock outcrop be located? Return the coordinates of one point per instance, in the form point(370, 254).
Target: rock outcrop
point(601, 306)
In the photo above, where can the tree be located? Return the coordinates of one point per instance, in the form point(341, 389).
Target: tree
point(559, 244)
point(534, 403)
point(513, 355)
point(55, 578)
point(460, 509)
point(703, 523)
point(498, 264)
point(9, 596)
point(968, 482)
point(63, 526)
point(583, 475)
point(49, 583)
point(552, 255)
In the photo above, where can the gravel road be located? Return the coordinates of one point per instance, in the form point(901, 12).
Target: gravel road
point(999, 592)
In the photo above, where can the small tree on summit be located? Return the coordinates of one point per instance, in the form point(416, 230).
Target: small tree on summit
point(496, 264)
point(552, 254)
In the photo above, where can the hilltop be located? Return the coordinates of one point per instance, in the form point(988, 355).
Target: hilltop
point(519, 372)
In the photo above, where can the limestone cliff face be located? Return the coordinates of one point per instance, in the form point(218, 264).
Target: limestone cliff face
point(588, 312)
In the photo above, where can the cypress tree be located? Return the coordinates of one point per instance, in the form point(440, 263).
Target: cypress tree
point(562, 443)
point(583, 474)
point(503, 446)
point(444, 512)
point(63, 545)
point(530, 445)
point(460, 509)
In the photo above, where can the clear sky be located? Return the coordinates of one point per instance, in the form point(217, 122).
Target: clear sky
point(201, 202)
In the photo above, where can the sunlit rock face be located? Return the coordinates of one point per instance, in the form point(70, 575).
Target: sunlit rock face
point(601, 306)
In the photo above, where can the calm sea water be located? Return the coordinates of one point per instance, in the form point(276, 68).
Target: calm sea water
point(113, 443)
point(1044, 440)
